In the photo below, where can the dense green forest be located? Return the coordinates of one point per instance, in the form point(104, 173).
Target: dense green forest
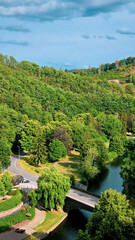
point(48, 112)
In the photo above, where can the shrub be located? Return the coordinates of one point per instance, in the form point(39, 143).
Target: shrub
point(2, 189)
point(56, 150)
point(6, 179)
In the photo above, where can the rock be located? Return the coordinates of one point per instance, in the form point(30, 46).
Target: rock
point(28, 214)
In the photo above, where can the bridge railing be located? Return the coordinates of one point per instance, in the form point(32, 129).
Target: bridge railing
point(81, 190)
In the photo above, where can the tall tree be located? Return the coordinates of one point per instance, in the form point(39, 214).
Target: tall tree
point(28, 133)
point(113, 218)
point(39, 149)
point(62, 135)
point(52, 188)
point(89, 169)
point(56, 150)
point(116, 145)
point(117, 64)
point(123, 119)
point(5, 150)
point(128, 174)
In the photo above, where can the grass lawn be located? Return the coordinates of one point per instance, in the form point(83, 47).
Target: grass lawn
point(27, 167)
point(51, 219)
point(68, 165)
point(18, 217)
point(11, 203)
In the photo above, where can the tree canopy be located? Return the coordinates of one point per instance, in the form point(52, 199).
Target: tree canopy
point(52, 188)
point(128, 174)
point(113, 218)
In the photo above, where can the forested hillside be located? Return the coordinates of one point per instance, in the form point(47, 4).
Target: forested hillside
point(86, 109)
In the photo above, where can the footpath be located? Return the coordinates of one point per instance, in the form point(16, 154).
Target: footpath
point(28, 226)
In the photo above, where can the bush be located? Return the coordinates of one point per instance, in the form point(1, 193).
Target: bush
point(6, 179)
point(25, 209)
point(2, 189)
point(56, 150)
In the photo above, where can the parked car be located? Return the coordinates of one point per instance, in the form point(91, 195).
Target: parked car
point(19, 230)
point(25, 181)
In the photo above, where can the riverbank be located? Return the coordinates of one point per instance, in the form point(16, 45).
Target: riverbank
point(50, 223)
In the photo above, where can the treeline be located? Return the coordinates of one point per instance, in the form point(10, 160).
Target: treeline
point(107, 67)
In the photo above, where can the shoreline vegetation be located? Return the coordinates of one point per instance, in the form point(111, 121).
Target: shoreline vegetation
point(52, 221)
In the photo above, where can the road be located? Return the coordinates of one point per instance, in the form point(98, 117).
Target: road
point(14, 168)
point(77, 195)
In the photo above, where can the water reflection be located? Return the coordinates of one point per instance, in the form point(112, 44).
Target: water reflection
point(68, 230)
point(110, 179)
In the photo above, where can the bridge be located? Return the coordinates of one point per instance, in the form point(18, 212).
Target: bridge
point(80, 199)
point(75, 199)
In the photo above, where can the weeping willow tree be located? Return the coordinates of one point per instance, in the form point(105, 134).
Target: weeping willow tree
point(52, 188)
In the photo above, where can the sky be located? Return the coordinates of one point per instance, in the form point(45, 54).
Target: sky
point(67, 34)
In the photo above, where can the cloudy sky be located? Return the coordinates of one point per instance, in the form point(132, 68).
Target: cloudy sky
point(67, 33)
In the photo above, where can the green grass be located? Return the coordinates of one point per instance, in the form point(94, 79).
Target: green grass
point(11, 203)
point(70, 167)
point(18, 217)
point(51, 219)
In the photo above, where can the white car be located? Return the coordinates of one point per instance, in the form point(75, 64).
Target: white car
point(25, 181)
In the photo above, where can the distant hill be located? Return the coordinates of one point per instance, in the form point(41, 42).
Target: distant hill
point(28, 91)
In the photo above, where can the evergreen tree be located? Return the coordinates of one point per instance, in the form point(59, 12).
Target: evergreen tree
point(5, 150)
point(38, 149)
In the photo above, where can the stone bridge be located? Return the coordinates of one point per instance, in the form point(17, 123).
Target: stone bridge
point(80, 199)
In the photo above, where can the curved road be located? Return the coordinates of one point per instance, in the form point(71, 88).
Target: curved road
point(14, 168)
point(77, 195)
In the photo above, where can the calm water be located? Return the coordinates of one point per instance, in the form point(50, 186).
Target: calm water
point(110, 179)
point(68, 230)
point(77, 219)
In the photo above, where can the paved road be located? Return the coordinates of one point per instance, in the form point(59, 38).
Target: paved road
point(14, 168)
point(73, 193)
point(83, 197)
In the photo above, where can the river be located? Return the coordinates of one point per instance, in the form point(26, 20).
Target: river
point(77, 219)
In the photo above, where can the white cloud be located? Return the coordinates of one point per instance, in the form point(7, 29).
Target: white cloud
point(49, 10)
point(125, 31)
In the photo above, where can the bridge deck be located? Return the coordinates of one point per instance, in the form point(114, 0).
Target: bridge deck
point(83, 197)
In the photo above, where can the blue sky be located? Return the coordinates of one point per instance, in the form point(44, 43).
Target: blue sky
point(67, 33)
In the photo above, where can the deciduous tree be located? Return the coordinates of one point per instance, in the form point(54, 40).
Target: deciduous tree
point(52, 188)
point(113, 218)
